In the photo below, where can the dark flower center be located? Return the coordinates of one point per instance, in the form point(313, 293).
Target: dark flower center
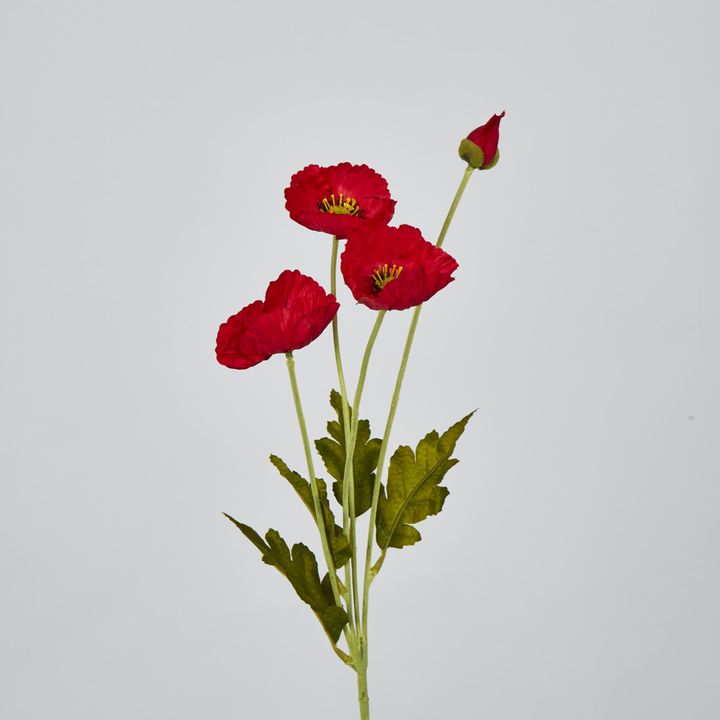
point(383, 274)
point(343, 205)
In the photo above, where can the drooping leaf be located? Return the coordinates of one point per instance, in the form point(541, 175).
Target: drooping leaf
point(300, 567)
point(333, 451)
point(339, 546)
point(413, 487)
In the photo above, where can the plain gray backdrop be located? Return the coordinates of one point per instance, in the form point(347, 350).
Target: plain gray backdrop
point(144, 149)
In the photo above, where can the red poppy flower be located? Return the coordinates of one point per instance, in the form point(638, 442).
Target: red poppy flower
point(394, 268)
point(338, 199)
point(295, 311)
point(480, 148)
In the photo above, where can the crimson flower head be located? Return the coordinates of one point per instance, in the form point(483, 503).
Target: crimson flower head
point(394, 268)
point(480, 148)
point(338, 199)
point(294, 312)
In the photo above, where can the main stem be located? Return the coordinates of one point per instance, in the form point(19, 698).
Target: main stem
point(314, 488)
point(346, 423)
point(350, 427)
point(371, 571)
point(361, 669)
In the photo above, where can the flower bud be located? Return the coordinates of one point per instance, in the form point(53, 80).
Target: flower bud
point(480, 148)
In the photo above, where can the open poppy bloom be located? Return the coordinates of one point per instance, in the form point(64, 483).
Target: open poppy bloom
point(295, 311)
point(480, 148)
point(394, 268)
point(338, 199)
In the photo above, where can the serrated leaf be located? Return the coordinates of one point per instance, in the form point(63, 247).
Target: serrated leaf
point(339, 546)
point(413, 488)
point(333, 451)
point(300, 567)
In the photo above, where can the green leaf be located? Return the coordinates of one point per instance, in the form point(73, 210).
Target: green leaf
point(250, 534)
point(333, 451)
point(339, 546)
point(413, 488)
point(300, 567)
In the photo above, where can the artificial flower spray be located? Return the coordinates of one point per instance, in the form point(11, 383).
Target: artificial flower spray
point(386, 269)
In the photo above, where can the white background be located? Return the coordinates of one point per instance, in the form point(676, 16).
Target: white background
point(144, 150)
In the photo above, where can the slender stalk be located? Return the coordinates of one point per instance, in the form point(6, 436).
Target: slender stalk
point(314, 489)
point(349, 474)
point(336, 337)
point(345, 417)
point(371, 571)
point(453, 206)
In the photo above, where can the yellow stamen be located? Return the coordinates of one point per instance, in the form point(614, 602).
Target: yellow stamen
point(385, 274)
point(344, 205)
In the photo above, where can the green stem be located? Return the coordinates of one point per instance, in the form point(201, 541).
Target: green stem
point(336, 337)
point(349, 473)
point(453, 206)
point(361, 669)
point(314, 489)
point(345, 415)
point(371, 571)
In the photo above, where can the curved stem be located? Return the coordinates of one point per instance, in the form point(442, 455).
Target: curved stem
point(371, 571)
point(314, 488)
